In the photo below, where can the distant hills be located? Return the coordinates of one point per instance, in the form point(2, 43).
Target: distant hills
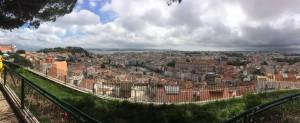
point(66, 49)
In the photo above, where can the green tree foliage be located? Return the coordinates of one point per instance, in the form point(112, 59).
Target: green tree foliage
point(229, 54)
point(258, 72)
point(238, 63)
point(16, 13)
point(67, 49)
point(290, 61)
point(264, 63)
point(21, 52)
point(20, 60)
point(171, 63)
point(252, 100)
point(170, 2)
point(103, 66)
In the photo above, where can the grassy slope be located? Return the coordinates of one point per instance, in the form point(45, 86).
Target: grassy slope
point(124, 112)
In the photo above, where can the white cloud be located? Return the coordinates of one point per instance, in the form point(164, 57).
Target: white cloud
point(80, 1)
point(82, 17)
point(191, 25)
point(93, 4)
point(268, 9)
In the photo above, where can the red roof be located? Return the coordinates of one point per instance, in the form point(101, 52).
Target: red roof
point(87, 83)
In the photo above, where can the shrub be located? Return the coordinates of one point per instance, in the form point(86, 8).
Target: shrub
point(252, 100)
point(21, 52)
point(21, 60)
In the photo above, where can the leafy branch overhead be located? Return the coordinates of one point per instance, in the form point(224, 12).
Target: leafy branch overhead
point(173, 1)
point(16, 13)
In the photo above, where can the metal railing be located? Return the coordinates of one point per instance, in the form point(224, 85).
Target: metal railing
point(42, 104)
point(282, 110)
point(159, 93)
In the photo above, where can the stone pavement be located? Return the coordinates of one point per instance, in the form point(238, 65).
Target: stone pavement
point(6, 113)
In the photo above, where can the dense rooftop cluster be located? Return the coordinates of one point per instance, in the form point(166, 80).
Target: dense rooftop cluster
point(166, 76)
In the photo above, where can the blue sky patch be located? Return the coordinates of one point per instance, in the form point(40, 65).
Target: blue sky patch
point(95, 7)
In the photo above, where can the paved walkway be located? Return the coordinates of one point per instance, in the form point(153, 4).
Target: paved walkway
point(6, 113)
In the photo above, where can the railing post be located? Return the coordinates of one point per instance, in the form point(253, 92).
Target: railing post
point(22, 93)
point(4, 77)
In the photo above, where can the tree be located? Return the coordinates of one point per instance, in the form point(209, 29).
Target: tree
point(171, 63)
point(264, 63)
point(21, 52)
point(103, 66)
point(252, 100)
point(21, 60)
point(16, 13)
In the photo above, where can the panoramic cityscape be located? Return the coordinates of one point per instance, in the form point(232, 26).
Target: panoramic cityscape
point(148, 61)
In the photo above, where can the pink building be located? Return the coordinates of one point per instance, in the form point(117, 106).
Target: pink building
point(59, 70)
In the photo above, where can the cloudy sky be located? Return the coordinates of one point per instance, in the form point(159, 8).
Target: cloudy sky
point(191, 25)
